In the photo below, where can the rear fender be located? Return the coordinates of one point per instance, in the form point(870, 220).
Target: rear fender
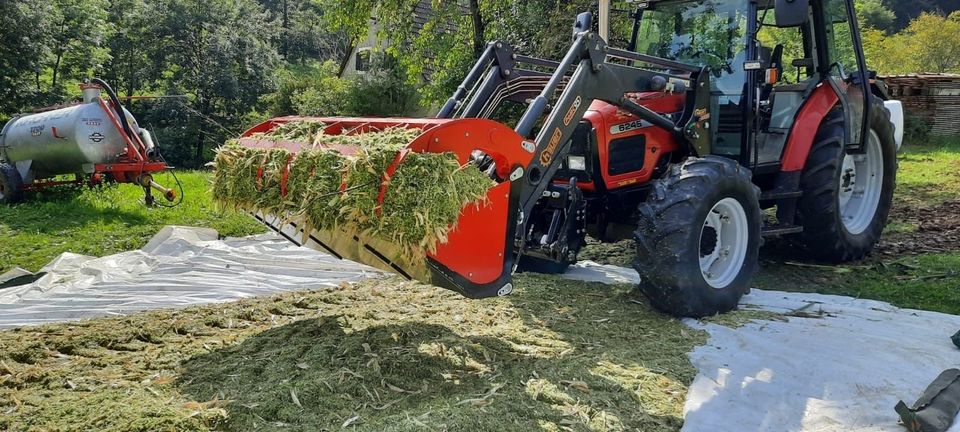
point(805, 127)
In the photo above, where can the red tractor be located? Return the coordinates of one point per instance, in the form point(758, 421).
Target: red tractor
point(681, 141)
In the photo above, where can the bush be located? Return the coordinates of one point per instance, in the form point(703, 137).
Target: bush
point(317, 90)
point(382, 93)
point(294, 80)
point(329, 97)
point(916, 130)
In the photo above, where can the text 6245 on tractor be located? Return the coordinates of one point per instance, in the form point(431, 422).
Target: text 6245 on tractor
point(680, 141)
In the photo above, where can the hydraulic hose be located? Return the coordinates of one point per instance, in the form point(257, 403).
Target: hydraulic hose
point(116, 105)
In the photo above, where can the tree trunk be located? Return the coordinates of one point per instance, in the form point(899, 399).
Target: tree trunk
point(285, 47)
point(201, 135)
point(479, 28)
point(60, 50)
point(56, 70)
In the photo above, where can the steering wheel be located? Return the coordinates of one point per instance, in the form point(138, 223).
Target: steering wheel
point(842, 71)
point(709, 58)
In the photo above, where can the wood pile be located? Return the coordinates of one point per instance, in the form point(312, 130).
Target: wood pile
point(934, 98)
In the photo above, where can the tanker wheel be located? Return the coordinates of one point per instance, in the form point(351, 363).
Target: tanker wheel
point(698, 238)
point(11, 185)
point(847, 196)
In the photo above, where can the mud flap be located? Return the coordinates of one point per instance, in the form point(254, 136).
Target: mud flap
point(937, 408)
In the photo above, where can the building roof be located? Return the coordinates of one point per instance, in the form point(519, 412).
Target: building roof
point(931, 97)
point(923, 77)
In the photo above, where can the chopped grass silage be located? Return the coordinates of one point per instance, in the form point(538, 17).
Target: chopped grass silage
point(424, 178)
point(299, 131)
point(330, 190)
point(316, 192)
point(557, 355)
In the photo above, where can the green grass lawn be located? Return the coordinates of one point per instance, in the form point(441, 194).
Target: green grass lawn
point(105, 221)
point(929, 174)
point(928, 282)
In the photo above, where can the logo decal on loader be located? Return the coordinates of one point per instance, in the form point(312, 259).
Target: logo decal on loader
point(547, 154)
point(572, 111)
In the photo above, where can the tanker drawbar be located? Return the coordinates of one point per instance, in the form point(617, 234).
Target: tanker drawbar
point(93, 141)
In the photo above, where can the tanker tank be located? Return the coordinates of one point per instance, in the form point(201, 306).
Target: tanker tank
point(89, 140)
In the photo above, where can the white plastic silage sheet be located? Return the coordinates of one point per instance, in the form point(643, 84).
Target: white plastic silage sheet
point(841, 372)
point(179, 267)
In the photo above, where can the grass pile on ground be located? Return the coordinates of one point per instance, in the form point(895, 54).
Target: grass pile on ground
point(557, 355)
point(328, 189)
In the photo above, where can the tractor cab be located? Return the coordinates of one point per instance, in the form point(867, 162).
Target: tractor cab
point(765, 57)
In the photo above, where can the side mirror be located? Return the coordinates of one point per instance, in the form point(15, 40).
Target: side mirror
point(792, 13)
point(584, 23)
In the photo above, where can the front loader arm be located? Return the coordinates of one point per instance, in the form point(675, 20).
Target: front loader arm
point(597, 79)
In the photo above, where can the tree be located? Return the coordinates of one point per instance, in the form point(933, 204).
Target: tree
point(442, 51)
point(76, 40)
point(873, 14)
point(220, 53)
point(931, 43)
point(133, 46)
point(909, 10)
point(935, 43)
point(302, 34)
point(21, 52)
point(886, 54)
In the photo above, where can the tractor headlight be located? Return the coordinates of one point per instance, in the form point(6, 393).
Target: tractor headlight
point(578, 163)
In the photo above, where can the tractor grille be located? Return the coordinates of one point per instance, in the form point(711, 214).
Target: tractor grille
point(627, 154)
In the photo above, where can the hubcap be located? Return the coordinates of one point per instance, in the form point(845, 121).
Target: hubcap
point(861, 184)
point(723, 243)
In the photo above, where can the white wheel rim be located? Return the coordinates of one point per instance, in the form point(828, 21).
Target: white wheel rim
point(723, 243)
point(861, 184)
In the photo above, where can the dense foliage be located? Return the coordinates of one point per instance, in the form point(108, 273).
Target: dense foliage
point(225, 64)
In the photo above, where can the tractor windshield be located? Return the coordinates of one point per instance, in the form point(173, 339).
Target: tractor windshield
point(705, 33)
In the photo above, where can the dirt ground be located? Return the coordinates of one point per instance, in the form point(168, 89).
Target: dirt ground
point(927, 230)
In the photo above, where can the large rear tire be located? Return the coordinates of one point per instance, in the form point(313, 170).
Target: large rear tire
point(847, 197)
point(11, 185)
point(698, 238)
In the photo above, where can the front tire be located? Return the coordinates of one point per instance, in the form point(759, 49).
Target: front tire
point(847, 197)
point(698, 238)
point(11, 185)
